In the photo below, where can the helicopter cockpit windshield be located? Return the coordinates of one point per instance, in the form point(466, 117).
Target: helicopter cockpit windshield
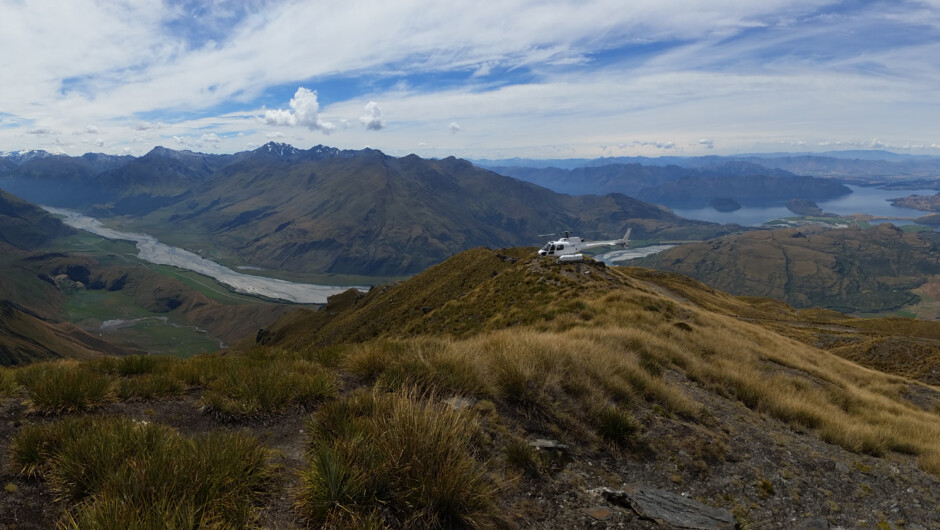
point(550, 249)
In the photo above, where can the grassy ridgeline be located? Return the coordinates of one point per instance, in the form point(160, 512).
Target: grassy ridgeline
point(398, 421)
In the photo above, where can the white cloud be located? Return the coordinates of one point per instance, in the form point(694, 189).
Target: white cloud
point(735, 72)
point(707, 143)
point(99, 142)
point(372, 118)
point(305, 112)
point(483, 70)
point(210, 138)
point(91, 129)
point(454, 127)
point(656, 143)
point(148, 126)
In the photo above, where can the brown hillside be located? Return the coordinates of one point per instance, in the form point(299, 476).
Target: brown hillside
point(25, 337)
point(495, 390)
point(848, 270)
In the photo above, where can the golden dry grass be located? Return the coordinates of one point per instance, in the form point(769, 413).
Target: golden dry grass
point(611, 349)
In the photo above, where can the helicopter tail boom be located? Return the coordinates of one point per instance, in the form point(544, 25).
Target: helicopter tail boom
point(626, 238)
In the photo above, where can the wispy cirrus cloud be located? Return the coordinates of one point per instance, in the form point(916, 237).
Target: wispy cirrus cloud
point(532, 78)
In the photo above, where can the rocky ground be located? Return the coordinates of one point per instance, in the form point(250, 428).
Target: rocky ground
point(758, 473)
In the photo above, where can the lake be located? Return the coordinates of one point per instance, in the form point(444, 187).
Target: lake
point(151, 250)
point(872, 201)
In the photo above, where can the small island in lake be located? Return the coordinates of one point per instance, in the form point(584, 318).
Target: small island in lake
point(804, 207)
point(724, 204)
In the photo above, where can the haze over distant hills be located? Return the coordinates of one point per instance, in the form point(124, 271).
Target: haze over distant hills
point(745, 182)
point(845, 164)
point(324, 210)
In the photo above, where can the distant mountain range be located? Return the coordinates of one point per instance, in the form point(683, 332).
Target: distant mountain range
point(325, 210)
point(746, 183)
point(861, 166)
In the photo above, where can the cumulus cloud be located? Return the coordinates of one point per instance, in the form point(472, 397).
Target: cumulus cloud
point(707, 143)
point(40, 130)
point(372, 118)
point(91, 129)
point(210, 138)
point(454, 128)
point(99, 142)
point(305, 112)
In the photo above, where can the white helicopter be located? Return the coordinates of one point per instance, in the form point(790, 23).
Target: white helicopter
point(569, 248)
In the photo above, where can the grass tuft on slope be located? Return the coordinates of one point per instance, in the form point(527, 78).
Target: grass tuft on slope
point(121, 473)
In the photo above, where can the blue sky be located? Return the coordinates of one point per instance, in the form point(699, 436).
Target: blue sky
point(514, 78)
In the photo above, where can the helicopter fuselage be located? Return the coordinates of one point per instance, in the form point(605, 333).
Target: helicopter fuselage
point(574, 245)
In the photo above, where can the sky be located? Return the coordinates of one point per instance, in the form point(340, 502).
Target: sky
point(473, 79)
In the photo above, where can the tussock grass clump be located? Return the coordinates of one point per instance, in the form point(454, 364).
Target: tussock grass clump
point(259, 386)
point(522, 456)
point(132, 364)
point(427, 364)
point(149, 386)
point(7, 382)
point(617, 425)
point(140, 364)
point(63, 386)
point(395, 459)
point(120, 473)
point(200, 370)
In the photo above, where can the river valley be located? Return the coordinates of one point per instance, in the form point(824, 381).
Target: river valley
point(151, 250)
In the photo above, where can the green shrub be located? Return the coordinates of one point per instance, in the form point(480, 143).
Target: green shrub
point(119, 473)
point(63, 386)
point(398, 460)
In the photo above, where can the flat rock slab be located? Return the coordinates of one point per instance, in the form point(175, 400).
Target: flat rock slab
point(601, 513)
point(543, 443)
point(668, 508)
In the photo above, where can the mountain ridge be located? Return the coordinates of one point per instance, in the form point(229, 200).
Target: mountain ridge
point(325, 210)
